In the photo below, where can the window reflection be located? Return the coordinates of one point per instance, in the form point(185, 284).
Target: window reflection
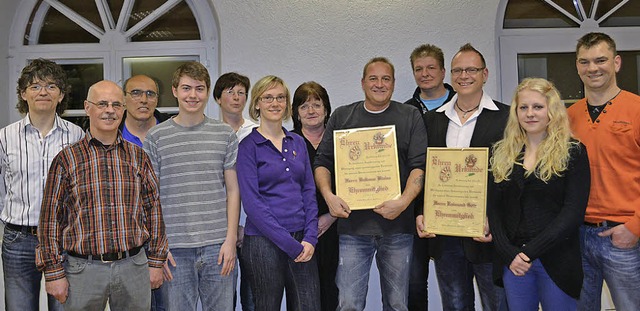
point(560, 68)
point(160, 69)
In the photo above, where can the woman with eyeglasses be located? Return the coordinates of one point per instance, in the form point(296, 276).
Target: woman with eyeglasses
point(311, 109)
point(537, 202)
point(279, 196)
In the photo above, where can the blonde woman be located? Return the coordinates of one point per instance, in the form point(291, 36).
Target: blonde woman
point(538, 201)
point(279, 196)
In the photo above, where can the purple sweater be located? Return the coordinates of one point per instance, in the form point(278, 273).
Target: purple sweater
point(278, 191)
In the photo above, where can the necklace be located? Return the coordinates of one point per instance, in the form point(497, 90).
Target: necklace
point(464, 112)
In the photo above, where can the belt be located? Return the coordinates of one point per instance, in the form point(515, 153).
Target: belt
point(110, 256)
point(605, 223)
point(33, 230)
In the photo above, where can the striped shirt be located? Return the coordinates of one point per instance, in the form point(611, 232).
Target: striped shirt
point(25, 157)
point(190, 163)
point(99, 199)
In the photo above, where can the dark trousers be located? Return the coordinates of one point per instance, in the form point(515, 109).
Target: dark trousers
point(271, 271)
point(418, 296)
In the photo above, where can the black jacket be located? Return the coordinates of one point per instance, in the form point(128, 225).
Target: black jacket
point(488, 130)
point(416, 102)
point(550, 229)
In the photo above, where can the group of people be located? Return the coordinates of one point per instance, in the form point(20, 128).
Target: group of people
point(145, 211)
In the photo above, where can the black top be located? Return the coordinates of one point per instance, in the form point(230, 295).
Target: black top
point(542, 220)
point(322, 204)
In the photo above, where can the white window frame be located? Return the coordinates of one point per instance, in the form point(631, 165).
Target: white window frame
point(113, 47)
point(512, 42)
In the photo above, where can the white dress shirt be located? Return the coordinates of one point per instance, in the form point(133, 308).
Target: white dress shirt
point(25, 157)
point(459, 134)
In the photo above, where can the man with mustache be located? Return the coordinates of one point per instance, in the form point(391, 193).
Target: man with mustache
point(100, 206)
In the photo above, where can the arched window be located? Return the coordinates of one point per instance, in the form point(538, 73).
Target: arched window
point(538, 38)
point(115, 39)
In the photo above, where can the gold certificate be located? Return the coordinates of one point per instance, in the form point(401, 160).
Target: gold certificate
point(366, 166)
point(455, 194)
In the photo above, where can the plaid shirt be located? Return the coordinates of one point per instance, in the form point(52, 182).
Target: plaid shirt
point(97, 200)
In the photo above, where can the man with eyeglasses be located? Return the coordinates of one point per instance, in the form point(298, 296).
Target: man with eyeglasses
point(470, 119)
point(101, 206)
point(230, 92)
point(27, 148)
point(141, 98)
point(427, 62)
point(195, 159)
point(385, 230)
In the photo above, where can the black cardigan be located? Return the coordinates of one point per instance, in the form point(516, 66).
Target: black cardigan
point(550, 230)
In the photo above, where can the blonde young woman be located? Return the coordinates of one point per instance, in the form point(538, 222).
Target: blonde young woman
point(538, 200)
point(279, 196)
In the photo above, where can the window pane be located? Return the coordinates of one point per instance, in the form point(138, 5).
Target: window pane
point(141, 9)
point(537, 14)
point(115, 6)
point(159, 68)
point(57, 28)
point(86, 9)
point(81, 76)
point(627, 15)
point(177, 24)
point(560, 68)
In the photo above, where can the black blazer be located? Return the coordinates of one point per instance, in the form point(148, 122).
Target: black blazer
point(488, 130)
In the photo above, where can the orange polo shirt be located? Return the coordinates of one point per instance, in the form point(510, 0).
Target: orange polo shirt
point(613, 146)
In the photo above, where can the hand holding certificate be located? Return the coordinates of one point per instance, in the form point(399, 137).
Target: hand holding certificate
point(456, 191)
point(366, 166)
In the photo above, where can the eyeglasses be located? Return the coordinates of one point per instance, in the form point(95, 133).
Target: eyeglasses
point(269, 98)
point(103, 104)
point(50, 88)
point(137, 94)
point(315, 106)
point(239, 93)
point(469, 70)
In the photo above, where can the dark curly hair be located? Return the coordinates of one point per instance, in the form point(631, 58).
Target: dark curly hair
point(43, 70)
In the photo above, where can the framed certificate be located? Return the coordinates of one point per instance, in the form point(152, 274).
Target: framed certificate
point(455, 194)
point(366, 166)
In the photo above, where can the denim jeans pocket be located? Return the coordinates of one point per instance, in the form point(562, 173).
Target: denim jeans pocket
point(75, 265)
point(10, 236)
point(616, 249)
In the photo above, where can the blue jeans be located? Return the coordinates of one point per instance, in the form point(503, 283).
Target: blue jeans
point(123, 283)
point(455, 278)
point(160, 298)
point(197, 276)
point(526, 292)
point(393, 257)
point(21, 277)
point(620, 268)
point(271, 271)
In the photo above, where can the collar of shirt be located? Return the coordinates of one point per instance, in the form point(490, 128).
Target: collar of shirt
point(95, 142)
point(450, 111)
point(259, 139)
point(26, 123)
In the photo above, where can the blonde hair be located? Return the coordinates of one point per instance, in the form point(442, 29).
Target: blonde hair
point(552, 156)
point(262, 86)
